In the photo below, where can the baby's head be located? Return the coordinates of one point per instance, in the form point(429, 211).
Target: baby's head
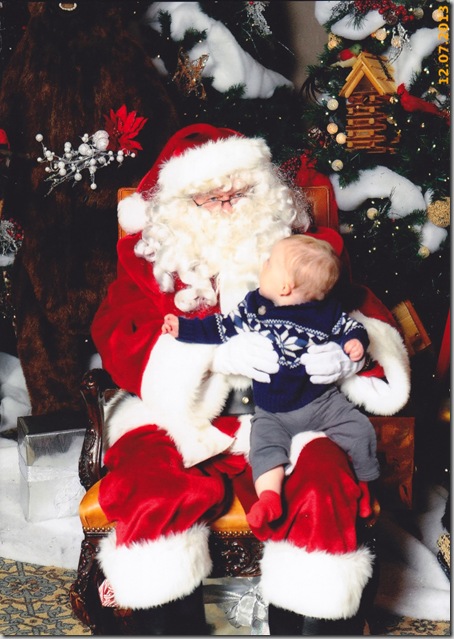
point(307, 267)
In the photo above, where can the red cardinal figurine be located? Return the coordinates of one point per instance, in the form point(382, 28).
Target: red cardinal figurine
point(411, 103)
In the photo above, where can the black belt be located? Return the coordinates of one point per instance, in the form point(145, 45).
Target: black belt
point(239, 402)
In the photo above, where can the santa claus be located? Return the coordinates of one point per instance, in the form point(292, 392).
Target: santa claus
point(201, 223)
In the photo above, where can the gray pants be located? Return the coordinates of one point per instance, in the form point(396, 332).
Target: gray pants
point(332, 414)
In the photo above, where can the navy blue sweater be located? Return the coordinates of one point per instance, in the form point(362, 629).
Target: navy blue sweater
point(292, 330)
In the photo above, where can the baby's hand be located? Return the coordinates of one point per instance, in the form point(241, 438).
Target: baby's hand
point(354, 349)
point(171, 325)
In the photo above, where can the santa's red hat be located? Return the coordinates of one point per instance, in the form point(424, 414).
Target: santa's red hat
point(193, 160)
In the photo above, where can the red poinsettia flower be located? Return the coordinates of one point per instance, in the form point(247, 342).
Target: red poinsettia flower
point(122, 128)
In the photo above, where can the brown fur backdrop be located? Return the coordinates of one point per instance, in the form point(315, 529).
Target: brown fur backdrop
point(68, 70)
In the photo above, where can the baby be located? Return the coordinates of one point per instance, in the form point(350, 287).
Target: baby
point(294, 306)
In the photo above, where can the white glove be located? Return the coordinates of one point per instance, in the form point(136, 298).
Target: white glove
point(327, 363)
point(249, 354)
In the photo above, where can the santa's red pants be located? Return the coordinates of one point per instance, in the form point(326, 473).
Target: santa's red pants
point(312, 563)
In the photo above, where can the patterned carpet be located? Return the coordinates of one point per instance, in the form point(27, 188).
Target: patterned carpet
point(34, 600)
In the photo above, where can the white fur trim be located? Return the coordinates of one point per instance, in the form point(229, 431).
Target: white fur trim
point(386, 347)
point(299, 441)
point(183, 397)
point(217, 158)
point(125, 413)
point(242, 442)
point(315, 584)
point(132, 213)
point(151, 573)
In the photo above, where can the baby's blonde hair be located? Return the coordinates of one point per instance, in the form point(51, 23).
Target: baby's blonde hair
point(312, 265)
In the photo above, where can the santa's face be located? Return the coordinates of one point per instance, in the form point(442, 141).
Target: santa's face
point(214, 241)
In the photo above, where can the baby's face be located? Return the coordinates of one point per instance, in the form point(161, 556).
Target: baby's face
point(273, 274)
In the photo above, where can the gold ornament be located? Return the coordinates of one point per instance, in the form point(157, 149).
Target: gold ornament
point(418, 12)
point(333, 41)
point(438, 15)
point(424, 252)
point(341, 138)
point(372, 213)
point(380, 34)
point(337, 165)
point(439, 212)
point(332, 128)
point(188, 75)
point(332, 104)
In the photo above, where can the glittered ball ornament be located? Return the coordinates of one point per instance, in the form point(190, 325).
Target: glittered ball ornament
point(332, 104)
point(372, 213)
point(381, 34)
point(341, 138)
point(424, 252)
point(337, 165)
point(438, 15)
point(439, 212)
point(332, 128)
point(418, 12)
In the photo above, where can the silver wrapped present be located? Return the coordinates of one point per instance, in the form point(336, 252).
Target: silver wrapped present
point(49, 451)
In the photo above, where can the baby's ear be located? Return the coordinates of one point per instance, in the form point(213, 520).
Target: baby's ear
point(287, 288)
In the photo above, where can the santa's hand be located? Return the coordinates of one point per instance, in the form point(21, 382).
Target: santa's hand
point(249, 354)
point(327, 363)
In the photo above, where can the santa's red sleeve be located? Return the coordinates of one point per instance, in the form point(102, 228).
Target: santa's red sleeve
point(129, 321)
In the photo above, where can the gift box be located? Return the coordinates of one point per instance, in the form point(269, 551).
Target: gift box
point(49, 450)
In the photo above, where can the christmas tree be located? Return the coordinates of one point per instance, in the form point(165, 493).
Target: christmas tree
point(377, 114)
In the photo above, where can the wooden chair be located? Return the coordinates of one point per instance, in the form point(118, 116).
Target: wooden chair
point(235, 551)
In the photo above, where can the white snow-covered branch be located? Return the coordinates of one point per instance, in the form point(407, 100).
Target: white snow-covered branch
point(405, 198)
point(345, 27)
point(228, 64)
point(409, 62)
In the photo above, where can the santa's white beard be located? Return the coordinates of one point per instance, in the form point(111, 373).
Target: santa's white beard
point(212, 251)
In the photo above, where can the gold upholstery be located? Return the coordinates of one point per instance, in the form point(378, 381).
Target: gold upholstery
point(91, 514)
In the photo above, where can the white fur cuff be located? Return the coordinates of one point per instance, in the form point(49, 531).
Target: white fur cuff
point(386, 346)
point(315, 584)
point(151, 573)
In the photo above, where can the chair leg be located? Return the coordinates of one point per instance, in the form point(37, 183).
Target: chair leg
point(78, 591)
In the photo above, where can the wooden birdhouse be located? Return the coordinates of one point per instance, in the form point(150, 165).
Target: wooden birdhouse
point(368, 89)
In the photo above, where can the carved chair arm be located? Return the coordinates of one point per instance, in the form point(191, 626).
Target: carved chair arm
point(96, 385)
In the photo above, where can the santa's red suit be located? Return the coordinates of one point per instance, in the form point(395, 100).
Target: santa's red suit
point(313, 564)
